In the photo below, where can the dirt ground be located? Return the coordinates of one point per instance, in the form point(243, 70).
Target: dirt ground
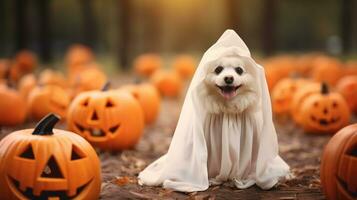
point(119, 170)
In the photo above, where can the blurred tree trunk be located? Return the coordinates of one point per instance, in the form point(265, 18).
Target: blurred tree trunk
point(21, 28)
point(233, 15)
point(124, 32)
point(346, 24)
point(3, 19)
point(89, 25)
point(153, 29)
point(268, 32)
point(44, 19)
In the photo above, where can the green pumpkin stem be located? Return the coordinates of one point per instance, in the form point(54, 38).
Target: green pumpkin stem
point(324, 89)
point(106, 86)
point(46, 125)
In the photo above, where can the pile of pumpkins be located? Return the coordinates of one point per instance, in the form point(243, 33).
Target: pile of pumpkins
point(316, 91)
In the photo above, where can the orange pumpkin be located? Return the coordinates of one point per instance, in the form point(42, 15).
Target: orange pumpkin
point(51, 77)
point(299, 97)
point(185, 66)
point(45, 99)
point(26, 84)
point(347, 86)
point(327, 70)
point(78, 55)
point(110, 120)
point(277, 68)
point(25, 61)
point(324, 112)
point(350, 68)
point(338, 170)
point(169, 83)
point(43, 163)
point(283, 92)
point(12, 106)
point(146, 64)
point(4, 66)
point(304, 63)
point(148, 97)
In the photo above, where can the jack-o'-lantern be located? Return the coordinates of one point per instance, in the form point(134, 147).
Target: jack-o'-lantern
point(299, 97)
point(47, 163)
point(26, 84)
point(347, 86)
point(283, 92)
point(45, 99)
point(90, 79)
point(326, 69)
point(12, 106)
point(51, 77)
point(25, 61)
point(146, 64)
point(78, 55)
point(148, 97)
point(185, 66)
point(169, 83)
point(324, 112)
point(338, 170)
point(110, 120)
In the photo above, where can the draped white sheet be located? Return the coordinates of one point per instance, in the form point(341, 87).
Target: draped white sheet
point(213, 148)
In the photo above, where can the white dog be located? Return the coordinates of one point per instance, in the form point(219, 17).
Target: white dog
point(225, 131)
point(228, 87)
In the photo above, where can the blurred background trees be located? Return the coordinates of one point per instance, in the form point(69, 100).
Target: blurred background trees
point(122, 29)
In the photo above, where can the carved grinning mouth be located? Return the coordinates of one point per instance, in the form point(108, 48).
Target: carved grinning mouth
point(97, 132)
point(61, 194)
point(228, 91)
point(325, 122)
point(344, 186)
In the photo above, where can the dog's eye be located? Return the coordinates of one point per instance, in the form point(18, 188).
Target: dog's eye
point(239, 70)
point(218, 69)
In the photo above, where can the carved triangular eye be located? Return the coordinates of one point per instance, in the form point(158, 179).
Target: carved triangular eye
point(94, 116)
point(51, 169)
point(85, 102)
point(28, 153)
point(76, 153)
point(109, 103)
point(353, 152)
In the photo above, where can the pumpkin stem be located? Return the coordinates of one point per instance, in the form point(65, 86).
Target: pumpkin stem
point(45, 126)
point(106, 86)
point(324, 88)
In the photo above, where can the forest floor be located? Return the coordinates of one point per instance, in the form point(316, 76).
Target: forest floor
point(119, 170)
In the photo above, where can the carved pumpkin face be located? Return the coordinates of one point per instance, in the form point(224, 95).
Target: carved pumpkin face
point(45, 164)
point(148, 97)
point(107, 119)
point(48, 99)
point(12, 106)
point(146, 64)
point(169, 83)
point(347, 86)
point(324, 112)
point(339, 165)
point(283, 92)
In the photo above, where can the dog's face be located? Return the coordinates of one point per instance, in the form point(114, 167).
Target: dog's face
point(229, 86)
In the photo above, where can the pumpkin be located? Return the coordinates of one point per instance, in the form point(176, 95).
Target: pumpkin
point(47, 163)
point(326, 69)
point(45, 99)
point(324, 112)
point(110, 120)
point(91, 78)
point(4, 66)
point(299, 97)
point(350, 68)
point(78, 55)
point(185, 66)
point(169, 83)
point(12, 106)
point(338, 169)
point(146, 64)
point(148, 97)
point(26, 84)
point(25, 61)
point(51, 77)
point(304, 63)
point(347, 86)
point(283, 92)
point(277, 68)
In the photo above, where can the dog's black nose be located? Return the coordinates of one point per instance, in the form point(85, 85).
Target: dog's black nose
point(229, 79)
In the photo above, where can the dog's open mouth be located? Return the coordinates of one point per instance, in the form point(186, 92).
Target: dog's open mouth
point(228, 91)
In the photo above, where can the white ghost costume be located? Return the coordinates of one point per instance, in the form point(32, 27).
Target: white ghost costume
point(214, 148)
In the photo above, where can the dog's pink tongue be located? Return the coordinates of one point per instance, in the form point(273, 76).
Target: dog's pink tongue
point(228, 95)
